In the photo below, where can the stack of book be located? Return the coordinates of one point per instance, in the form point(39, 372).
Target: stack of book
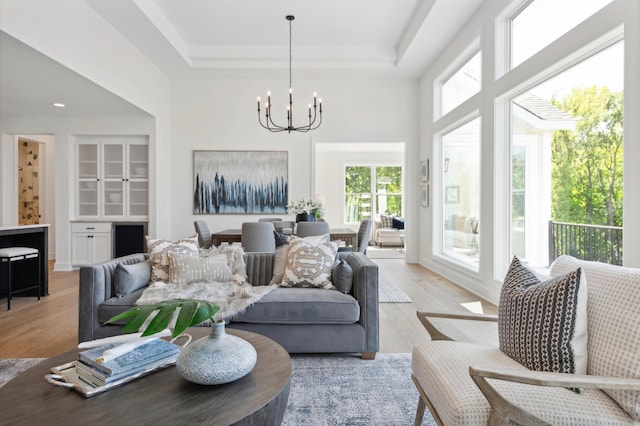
point(97, 368)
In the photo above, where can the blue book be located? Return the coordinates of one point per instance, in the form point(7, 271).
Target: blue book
point(97, 377)
point(141, 355)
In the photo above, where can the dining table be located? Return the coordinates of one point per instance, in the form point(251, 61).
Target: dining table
point(234, 235)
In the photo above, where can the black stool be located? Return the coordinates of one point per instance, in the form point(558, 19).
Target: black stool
point(9, 255)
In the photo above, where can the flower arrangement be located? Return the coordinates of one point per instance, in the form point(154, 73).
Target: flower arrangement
point(305, 205)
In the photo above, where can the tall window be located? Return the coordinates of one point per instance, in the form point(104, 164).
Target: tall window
point(566, 161)
point(461, 193)
point(371, 190)
point(555, 17)
point(463, 84)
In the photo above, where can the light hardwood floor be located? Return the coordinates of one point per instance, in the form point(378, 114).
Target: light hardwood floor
point(35, 329)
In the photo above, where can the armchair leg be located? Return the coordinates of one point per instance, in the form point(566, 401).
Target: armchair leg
point(419, 412)
point(368, 356)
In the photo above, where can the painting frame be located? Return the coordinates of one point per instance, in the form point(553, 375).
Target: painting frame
point(452, 194)
point(240, 182)
point(424, 195)
point(424, 170)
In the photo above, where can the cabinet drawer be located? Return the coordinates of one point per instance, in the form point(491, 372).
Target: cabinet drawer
point(91, 227)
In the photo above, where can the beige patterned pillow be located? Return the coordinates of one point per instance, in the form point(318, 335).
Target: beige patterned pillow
point(185, 269)
point(309, 265)
point(159, 254)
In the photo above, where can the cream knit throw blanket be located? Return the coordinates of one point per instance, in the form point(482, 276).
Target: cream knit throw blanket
point(232, 298)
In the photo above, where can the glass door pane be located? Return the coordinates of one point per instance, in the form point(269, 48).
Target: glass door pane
point(113, 161)
point(113, 198)
point(88, 161)
point(138, 199)
point(88, 198)
point(138, 161)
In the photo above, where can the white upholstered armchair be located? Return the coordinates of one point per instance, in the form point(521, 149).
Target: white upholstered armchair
point(470, 384)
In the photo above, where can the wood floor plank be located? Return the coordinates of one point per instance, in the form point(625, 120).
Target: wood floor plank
point(48, 327)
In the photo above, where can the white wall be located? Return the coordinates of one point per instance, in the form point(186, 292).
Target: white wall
point(222, 115)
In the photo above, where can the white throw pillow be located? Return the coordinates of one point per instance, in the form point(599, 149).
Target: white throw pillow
point(184, 269)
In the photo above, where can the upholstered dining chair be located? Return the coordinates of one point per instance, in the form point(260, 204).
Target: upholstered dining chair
point(204, 234)
point(258, 237)
point(364, 234)
point(307, 229)
point(269, 219)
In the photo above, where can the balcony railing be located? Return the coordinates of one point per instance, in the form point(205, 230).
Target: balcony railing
point(587, 242)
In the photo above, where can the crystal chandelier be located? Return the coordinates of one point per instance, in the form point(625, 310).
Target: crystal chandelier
point(268, 118)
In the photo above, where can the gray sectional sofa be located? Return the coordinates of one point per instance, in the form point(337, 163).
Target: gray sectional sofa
point(302, 320)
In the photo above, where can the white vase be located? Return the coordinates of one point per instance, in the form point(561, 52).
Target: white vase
point(217, 358)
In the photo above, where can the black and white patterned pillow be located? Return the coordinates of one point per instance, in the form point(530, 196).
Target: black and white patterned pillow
point(386, 221)
point(543, 325)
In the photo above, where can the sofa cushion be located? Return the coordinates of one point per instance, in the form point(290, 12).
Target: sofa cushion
point(302, 306)
point(115, 305)
point(342, 276)
point(543, 325)
point(442, 370)
point(185, 269)
point(614, 323)
point(308, 264)
point(159, 254)
point(129, 278)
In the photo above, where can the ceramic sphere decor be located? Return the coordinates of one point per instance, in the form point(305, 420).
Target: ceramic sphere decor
point(216, 359)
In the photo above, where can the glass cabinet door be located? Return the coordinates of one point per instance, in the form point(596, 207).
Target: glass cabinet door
point(113, 198)
point(88, 182)
point(113, 161)
point(138, 161)
point(138, 198)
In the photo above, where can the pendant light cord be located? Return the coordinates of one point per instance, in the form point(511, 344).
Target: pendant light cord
point(290, 54)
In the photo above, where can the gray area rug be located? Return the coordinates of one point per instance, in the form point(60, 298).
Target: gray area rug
point(389, 293)
point(329, 390)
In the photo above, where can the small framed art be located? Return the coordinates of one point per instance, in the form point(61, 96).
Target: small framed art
point(424, 195)
point(424, 170)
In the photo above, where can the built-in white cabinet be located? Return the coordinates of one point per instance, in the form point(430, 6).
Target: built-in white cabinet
point(90, 242)
point(112, 177)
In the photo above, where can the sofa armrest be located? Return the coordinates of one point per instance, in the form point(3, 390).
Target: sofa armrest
point(503, 410)
point(95, 286)
point(437, 334)
point(365, 291)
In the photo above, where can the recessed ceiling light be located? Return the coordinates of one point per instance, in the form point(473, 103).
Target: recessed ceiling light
point(58, 105)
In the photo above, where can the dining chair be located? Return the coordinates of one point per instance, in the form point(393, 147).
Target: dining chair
point(364, 234)
point(204, 234)
point(307, 229)
point(258, 237)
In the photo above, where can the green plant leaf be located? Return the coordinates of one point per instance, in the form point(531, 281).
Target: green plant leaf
point(126, 314)
point(161, 320)
point(205, 311)
point(185, 317)
point(192, 312)
point(134, 323)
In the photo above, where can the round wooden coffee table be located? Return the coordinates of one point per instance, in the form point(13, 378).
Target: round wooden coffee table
point(260, 398)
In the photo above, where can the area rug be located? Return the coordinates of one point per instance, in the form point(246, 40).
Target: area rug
point(329, 390)
point(389, 293)
point(11, 367)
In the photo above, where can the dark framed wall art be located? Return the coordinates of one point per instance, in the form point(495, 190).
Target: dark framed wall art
point(240, 182)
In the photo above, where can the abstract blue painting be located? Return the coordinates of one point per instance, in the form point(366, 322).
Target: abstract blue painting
point(240, 182)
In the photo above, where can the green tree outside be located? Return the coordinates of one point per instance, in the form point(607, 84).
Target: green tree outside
point(587, 162)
